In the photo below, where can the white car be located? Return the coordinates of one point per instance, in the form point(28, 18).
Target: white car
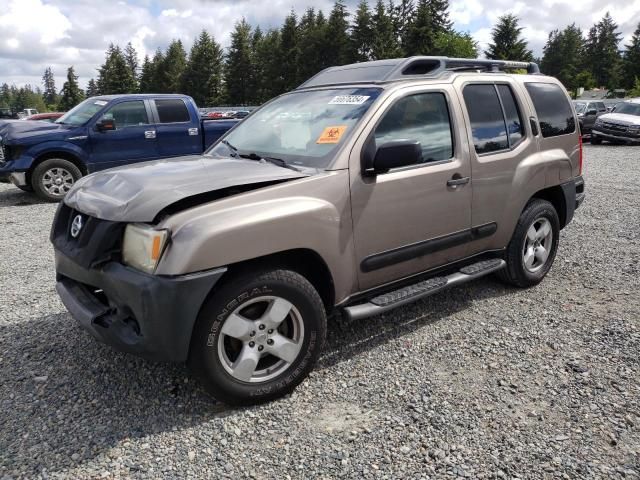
point(620, 126)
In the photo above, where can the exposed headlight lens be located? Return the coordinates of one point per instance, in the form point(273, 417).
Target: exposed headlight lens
point(634, 129)
point(143, 246)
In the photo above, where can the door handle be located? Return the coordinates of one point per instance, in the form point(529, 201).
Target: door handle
point(150, 134)
point(457, 180)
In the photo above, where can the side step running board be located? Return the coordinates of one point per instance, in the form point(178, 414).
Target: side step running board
point(411, 293)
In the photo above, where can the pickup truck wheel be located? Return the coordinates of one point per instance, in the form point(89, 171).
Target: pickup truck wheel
point(53, 178)
point(595, 140)
point(533, 246)
point(258, 337)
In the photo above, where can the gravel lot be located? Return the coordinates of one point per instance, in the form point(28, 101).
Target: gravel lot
point(482, 381)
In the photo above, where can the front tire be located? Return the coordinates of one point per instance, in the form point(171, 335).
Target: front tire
point(53, 178)
point(533, 246)
point(258, 337)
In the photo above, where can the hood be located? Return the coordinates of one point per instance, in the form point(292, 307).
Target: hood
point(137, 193)
point(620, 118)
point(24, 129)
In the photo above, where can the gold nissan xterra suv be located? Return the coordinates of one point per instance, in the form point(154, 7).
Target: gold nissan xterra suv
point(370, 186)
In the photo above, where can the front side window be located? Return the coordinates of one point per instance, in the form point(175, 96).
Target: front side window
point(302, 128)
point(423, 117)
point(172, 110)
point(128, 114)
point(553, 109)
point(486, 117)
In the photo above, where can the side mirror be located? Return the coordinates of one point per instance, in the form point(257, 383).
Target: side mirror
point(106, 124)
point(593, 111)
point(395, 154)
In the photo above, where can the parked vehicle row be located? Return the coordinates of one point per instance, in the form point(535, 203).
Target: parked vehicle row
point(622, 125)
point(100, 133)
point(226, 114)
point(370, 186)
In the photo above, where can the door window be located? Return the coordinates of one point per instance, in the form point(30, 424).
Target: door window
point(553, 109)
point(496, 123)
point(423, 117)
point(172, 110)
point(128, 114)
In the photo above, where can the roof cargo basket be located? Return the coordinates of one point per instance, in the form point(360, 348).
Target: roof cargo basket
point(381, 71)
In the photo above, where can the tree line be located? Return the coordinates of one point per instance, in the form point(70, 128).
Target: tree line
point(259, 65)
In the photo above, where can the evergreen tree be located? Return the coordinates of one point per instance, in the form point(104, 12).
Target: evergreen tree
point(71, 93)
point(337, 40)
point(635, 90)
point(147, 73)
point(631, 60)
point(563, 56)
point(238, 69)
point(50, 94)
point(92, 88)
point(267, 55)
point(431, 19)
point(456, 44)
point(290, 52)
point(402, 16)
point(507, 42)
point(169, 71)
point(607, 62)
point(202, 75)
point(5, 96)
point(114, 76)
point(310, 39)
point(131, 57)
point(385, 43)
point(362, 34)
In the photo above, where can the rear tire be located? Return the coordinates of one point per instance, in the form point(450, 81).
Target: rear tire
point(533, 246)
point(595, 140)
point(258, 337)
point(53, 178)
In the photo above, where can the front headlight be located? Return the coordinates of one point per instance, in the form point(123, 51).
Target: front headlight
point(142, 246)
point(635, 129)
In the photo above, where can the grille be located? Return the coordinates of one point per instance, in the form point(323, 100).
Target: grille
point(613, 126)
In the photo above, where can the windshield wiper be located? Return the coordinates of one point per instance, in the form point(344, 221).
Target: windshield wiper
point(274, 160)
point(231, 147)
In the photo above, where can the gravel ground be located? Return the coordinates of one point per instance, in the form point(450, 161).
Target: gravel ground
point(482, 381)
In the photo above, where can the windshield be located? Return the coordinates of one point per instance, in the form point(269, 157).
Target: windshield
point(580, 107)
point(301, 128)
point(83, 112)
point(628, 108)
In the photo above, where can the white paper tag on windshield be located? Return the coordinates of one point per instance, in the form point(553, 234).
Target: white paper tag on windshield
point(102, 103)
point(349, 100)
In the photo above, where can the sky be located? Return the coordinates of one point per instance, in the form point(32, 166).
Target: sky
point(35, 34)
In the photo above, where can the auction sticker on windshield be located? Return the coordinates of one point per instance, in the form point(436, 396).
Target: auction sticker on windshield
point(102, 103)
point(349, 99)
point(331, 134)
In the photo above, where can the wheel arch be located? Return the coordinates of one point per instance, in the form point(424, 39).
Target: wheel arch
point(306, 262)
point(56, 154)
point(556, 196)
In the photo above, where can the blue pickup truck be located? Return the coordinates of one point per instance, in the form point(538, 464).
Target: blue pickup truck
point(102, 132)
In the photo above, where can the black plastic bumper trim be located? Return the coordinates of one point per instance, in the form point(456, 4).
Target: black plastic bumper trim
point(148, 315)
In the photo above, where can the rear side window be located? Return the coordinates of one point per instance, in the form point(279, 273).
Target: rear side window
point(423, 117)
point(172, 110)
point(487, 121)
point(512, 117)
point(553, 109)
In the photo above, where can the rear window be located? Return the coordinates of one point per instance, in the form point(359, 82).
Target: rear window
point(172, 110)
point(553, 109)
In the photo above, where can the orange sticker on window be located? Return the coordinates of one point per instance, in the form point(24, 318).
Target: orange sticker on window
point(331, 134)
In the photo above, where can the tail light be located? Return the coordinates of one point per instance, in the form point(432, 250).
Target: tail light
point(581, 154)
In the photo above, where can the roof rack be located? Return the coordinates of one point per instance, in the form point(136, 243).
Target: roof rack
point(381, 71)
